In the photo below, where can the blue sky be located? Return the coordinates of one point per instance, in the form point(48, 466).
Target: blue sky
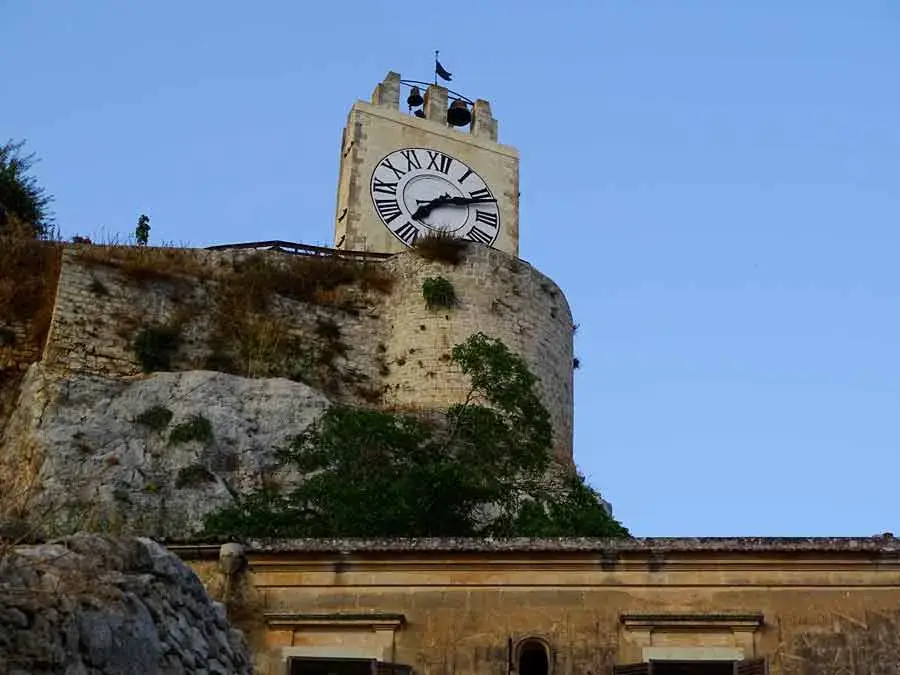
point(714, 185)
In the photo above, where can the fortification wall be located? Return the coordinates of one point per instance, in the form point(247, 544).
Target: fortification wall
point(497, 294)
point(381, 346)
point(104, 303)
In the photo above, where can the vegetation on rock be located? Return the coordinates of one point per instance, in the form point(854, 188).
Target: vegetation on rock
point(438, 293)
point(252, 338)
point(485, 469)
point(154, 347)
point(193, 475)
point(156, 418)
point(197, 428)
point(29, 270)
point(441, 246)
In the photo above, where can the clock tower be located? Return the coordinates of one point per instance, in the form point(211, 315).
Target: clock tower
point(439, 168)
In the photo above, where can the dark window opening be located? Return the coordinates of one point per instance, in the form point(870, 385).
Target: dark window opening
point(693, 668)
point(336, 666)
point(533, 659)
point(311, 666)
point(755, 666)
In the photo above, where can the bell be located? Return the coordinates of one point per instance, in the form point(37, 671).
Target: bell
point(414, 100)
point(420, 113)
point(458, 114)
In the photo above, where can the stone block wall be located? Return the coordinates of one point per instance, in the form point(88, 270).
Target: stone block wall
point(99, 311)
point(101, 308)
point(395, 352)
point(499, 295)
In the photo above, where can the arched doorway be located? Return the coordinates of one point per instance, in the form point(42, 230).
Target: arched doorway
point(533, 658)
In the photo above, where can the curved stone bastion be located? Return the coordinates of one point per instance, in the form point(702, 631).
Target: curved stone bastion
point(497, 294)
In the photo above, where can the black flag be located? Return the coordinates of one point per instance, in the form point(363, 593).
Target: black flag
point(440, 72)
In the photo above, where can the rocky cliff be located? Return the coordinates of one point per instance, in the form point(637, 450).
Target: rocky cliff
point(146, 456)
point(92, 605)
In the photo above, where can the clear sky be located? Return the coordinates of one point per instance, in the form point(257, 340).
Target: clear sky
point(715, 186)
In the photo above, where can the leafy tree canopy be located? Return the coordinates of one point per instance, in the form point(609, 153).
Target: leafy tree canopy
point(21, 197)
point(484, 470)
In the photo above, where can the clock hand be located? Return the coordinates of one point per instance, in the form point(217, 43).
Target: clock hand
point(428, 206)
point(458, 201)
point(465, 201)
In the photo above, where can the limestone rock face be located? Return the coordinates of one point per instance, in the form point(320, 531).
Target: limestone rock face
point(95, 605)
point(147, 456)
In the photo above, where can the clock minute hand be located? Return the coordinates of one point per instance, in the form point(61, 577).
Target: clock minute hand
point(465, 201)
point(456, 201)
point(427, 206)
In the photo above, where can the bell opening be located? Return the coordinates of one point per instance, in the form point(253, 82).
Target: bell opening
point(414, 100)
point(458, 114)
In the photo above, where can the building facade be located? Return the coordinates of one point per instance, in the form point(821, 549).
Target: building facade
point(564, 607)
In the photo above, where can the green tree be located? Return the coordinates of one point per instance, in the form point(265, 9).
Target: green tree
point(486, 469)
point(142, 231)
point(21, 196)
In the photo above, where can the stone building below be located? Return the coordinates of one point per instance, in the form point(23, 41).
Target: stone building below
point(568, 606)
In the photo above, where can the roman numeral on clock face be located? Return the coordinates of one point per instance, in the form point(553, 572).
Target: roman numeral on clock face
point(486, 217)
point(439, 161)
point(397, 172)
point(384, 187)
point(388, 208)
point(412, 162)
point(480, 194)
point(479, 235)
point(408, 233)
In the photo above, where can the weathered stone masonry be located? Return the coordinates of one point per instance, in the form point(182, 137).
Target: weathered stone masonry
point(395, 343)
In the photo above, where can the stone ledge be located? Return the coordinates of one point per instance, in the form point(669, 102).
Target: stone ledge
point(374, 621)
point(680, 621)
point(886, 545)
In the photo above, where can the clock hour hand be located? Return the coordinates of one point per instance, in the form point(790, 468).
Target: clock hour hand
point(428, 205)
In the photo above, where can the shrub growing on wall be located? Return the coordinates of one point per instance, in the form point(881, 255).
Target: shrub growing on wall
point(378, 474)
point(438, 293)
point(154, 347)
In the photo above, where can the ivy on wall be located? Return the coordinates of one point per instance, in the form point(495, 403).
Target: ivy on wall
point(484, 469)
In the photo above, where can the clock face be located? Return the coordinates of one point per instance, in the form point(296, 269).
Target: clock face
point(417, 190)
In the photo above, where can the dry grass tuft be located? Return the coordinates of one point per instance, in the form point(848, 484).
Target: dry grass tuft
point(147, 263)
point(441, 246)
point(29, 271)
point(310, 279)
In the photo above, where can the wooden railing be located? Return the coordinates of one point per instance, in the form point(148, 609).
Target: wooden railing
point(300, 249)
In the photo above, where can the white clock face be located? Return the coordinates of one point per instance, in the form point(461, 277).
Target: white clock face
point(416, 190)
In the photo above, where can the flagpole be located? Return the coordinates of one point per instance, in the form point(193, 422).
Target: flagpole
point(436, 52)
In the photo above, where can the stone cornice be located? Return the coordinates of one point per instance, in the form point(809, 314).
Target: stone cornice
point(692, 621)
point(373, 621)
point(883, 546)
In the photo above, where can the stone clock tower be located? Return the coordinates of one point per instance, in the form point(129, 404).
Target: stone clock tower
point(404, 175)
